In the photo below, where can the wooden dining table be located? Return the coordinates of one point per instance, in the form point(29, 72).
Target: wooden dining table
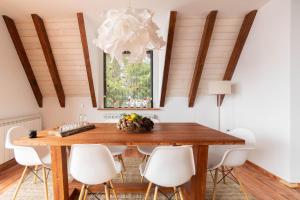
point(199, 136)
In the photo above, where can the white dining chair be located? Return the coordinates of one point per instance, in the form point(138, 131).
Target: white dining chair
point(169, 166)
point(117, 150)
point(225, 158)
point(93, 164)
point(30, 157)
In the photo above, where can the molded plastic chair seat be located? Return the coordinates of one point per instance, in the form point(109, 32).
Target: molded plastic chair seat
point(146, 150)
point(28, 156)
point(93, 164)
point(117, 149)
point(169, 166)
point(228, 157)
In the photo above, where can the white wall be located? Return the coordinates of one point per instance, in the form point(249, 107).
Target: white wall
point(262, 95)
point(176, 110)
point(295, 92)
point(16, 96)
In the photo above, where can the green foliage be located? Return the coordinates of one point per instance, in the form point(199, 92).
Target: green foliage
point(131, 81)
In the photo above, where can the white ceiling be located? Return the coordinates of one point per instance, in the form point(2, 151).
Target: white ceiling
point(65, 8)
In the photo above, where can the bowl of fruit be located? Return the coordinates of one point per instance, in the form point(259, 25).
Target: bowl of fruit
point(134, 123)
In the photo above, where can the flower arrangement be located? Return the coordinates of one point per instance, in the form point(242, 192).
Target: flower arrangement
point(135, 123)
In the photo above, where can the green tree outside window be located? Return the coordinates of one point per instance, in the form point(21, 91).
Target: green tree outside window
point(130, 85)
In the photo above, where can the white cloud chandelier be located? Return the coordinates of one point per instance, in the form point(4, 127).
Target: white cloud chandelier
point(128, 30)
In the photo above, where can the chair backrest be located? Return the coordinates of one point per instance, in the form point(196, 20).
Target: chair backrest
point(24, 155)
point(170, 166)
point(245, 134)
point(92, 163)
point(238, 155)
point(14, 133)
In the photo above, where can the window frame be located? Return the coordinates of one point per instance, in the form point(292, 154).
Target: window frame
point(150, 52)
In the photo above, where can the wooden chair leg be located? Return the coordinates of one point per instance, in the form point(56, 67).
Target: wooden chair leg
point(45, 182)
point(122, 162)
point(155, 193)
point(86, 192)
point(223, 174)
point(82, 192)
point(148, 191)
point(142, 179)
point(35, 171)
point(215, 184)
point(106, 192)
point(113, 190)
point(20, 183)
point(144, 158)
point(180, 193)
point(242, 188)
point(122, 176)
point(175, 193)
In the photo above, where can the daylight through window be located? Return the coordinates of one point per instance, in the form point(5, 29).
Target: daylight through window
point(130, 85)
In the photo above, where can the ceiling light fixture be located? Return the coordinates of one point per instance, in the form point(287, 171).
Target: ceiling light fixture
point(128, 30)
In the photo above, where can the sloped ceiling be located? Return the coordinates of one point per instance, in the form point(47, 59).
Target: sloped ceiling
point(65, 41)
point(63, 31)
point(188, 33)
point(58, 8)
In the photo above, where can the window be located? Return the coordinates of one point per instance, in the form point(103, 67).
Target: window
point(130, 85)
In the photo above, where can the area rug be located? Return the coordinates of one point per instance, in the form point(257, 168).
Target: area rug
point(31, 191)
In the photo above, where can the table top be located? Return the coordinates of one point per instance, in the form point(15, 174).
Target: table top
point(162, 134)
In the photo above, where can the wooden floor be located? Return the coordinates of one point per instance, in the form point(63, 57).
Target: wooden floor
point(261, 186)
point(264, 187)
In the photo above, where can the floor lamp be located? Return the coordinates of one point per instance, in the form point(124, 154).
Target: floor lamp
point(219, 88)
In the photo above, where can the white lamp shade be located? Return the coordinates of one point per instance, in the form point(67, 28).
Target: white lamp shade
point(130, 30)
point(219, 87)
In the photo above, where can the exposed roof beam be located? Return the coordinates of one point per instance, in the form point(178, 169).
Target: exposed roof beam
point(238, 47)
point(203, 49)
point(86, 57)
point(169, 47)
point(12, 29)
point(44, 40)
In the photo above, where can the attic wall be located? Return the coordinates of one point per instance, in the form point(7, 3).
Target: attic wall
point(261, 96)
point(295, 92)
point(16, 96)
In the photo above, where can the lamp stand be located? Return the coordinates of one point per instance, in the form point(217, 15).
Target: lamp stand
point(219, 110)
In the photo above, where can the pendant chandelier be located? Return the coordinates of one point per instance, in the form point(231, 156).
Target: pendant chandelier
point(128, 30)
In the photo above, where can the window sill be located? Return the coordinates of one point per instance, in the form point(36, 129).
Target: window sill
point(128, 109)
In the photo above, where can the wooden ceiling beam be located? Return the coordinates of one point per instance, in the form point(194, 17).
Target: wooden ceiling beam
point(238, 47)
point(172, 22)
point(46, 47)
point(85, 49)
point(202, 53)
point(12, 29)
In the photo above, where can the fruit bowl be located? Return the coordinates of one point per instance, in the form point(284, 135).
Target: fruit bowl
point(134, 123)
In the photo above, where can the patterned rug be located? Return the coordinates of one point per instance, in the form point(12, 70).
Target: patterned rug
point(31, 191)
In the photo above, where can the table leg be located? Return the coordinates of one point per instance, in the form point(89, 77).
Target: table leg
point(59, 173)
point(198, 182)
